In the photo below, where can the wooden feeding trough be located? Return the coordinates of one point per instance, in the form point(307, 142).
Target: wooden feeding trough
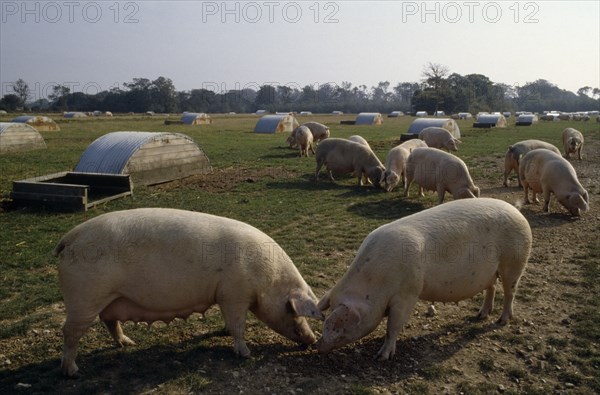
point(71, 190)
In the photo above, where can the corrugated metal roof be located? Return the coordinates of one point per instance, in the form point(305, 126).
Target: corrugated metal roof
point(446, 123)
point(269, 123)
point(489, 118)
point(75, 114)
point(111, 152)
point(4, 126)
point(22, 118)
point(367, 118)
point(189, 117)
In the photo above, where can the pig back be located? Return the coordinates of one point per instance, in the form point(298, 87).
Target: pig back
point(171, 252)
point(446, 253)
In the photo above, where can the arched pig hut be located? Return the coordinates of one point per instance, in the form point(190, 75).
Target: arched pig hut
point(490, 120)
point(40, 123)
point(526, 120)
point(196, 118)
point(276, 124)
point(148, 157)
point(369, 118)
point(75, 114)
point(19, 137)
point(446, 123)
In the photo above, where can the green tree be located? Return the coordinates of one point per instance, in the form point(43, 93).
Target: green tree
point(22, 91)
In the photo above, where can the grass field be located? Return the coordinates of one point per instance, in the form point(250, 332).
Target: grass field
point(258, 180)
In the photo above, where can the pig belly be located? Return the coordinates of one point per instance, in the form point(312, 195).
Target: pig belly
point(339, 167)
point(456, 288)
point(124, 309)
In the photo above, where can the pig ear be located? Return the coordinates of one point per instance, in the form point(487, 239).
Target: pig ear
point(458, 141)
point(303, 306)
point(324, 302)
point(345, 316)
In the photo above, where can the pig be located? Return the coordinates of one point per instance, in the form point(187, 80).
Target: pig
point(156, 264)
point(345, 156)
point(304, 140)
point(439, 138)
point(436, 170)
point(359, 139)
point(395, 164)
point(319, 131)
point(517, 150)
point(545, 171)
point(572, 140)
point(446, 253)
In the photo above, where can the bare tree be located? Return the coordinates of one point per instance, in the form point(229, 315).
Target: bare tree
point(22, 91)
point(434, 74)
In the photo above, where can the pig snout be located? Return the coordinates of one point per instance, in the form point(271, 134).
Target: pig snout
point(303, 333)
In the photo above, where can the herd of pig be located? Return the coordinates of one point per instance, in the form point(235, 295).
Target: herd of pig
point(158, 264)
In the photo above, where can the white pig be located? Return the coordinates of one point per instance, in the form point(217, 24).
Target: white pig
point(547, 172)
point(395, 165)
point(436, 170)
point(319, 131)
point(359, 139)
point(156, 264)
point(304, 140)
point(439, 138)
point(572, 142)
point(516, 151)
point(344, 156)
point(446, 253)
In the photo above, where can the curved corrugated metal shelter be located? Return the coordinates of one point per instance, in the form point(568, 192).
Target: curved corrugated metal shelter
point(75, 114)
point(369, 118)
point(526, 120)
point(421, 114)
point(490, 120)
point(39, 122)
point(148, 157)
point(19, 137)
point(464, 115)
point(446, 123)
point(276, 124)
point(196, 118)
point(395, 114)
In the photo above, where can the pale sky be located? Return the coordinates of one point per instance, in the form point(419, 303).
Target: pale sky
point(95, 45)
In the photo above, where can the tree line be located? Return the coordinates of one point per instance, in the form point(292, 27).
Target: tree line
point(439, 90)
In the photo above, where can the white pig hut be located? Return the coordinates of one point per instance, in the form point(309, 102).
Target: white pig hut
point(39, 122)
point(526, 120)
point(75, 114)
point(148, 157)
point(19, 137)
point(490, 120)
point(369, 118)
point(276, 124)
point(196, 118)
point(421, 123)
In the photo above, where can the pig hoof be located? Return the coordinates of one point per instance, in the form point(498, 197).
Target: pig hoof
point(71, 372)
point(242, 351)
point(125, 341)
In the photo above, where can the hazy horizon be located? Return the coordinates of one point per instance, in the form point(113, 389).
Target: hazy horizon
point(94, 46)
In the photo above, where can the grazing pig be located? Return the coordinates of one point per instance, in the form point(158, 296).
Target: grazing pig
point(439, 138)
point(359, 139)
point(446, 253)
point(344, 156)
point(516, 151)
point(572, 142)
point(156, 264)
point(304, 140)
point(547, 172)
point(395, 165)
point(319, 131)
point(439, 171)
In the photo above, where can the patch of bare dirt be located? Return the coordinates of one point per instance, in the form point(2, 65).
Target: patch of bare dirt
point(223, 180)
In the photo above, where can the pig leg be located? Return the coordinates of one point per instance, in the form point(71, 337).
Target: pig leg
point(488, 302)
point(73, 330)
point(235, 322)
point(319, 165)
point(116, 331)
point(359, 175)
point(510, 281)
point(546, 193)
point(398, 316)
point(579, 153)
point(441, 191)
point(526, 189)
